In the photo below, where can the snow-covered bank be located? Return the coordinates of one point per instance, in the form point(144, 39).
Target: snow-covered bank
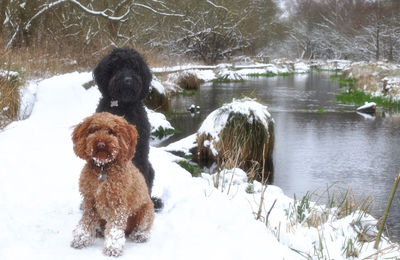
point(40, 201)
point(376, 78)
point(244, 70)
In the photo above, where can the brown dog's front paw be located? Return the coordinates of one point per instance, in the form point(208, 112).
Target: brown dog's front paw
point(139, 237)
point(112, 251)
point(81, 238)
point(114, 242)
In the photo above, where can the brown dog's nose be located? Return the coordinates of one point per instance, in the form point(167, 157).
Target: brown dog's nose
point(101, 145)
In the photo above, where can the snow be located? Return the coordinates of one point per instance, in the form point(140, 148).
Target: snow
point(367, 105)
point(216, 121)
point(158, 120)
point(156, 84)
point(40, 201)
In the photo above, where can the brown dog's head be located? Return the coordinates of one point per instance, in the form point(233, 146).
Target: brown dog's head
point(104, 138)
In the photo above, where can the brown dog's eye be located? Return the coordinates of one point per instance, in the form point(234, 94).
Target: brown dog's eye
point(92, 130)
point(111, 132)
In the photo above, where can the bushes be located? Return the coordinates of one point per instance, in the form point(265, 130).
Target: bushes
point(10, 83)
point(189, 81)
point(239, 134)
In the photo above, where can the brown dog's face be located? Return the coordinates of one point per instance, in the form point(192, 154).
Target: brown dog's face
point(104, 138)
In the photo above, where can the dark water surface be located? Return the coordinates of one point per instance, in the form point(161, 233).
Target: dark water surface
point(318, 142)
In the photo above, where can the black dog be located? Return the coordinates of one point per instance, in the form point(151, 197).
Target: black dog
point(124, 78)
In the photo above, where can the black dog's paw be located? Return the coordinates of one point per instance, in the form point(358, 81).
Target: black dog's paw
point(158, 204)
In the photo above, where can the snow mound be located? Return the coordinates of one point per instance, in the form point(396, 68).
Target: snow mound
point(216, 121)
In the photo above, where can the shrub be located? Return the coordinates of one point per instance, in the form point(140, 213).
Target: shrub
point(239, 134)
point(189, 81)
point(193, 169)
point(10, 83)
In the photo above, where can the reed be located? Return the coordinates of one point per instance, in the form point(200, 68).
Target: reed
point(189, 81)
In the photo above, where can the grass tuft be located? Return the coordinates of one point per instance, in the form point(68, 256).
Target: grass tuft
point(10, 83)
point(162, 132)
point(189, 81)
point(190, 167)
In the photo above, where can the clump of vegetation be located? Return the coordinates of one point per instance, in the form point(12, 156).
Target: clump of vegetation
point(227, 79)
point(353, 95)
point(339, 205)
point(156, 100)
point(250, 188)
point(189, 81)
point(10, 83)
point(162, 132)
point(344, 82)
point(358, 97)
point(247, 139)
point(244, 141)
point(190, 167)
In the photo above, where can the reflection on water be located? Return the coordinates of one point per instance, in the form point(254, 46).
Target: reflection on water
point(318, 142)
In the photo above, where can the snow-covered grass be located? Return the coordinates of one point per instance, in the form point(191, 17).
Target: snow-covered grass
point(380, 79)
point(39, 205)
point(241, 71)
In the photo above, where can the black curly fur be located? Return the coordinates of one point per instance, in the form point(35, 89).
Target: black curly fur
point(123, 79)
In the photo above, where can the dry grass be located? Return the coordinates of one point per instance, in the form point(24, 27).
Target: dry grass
point(250, 143)
point(339, 204)
point(9, 98)
point(370, 77)
point(247, 140)
point(189, 81)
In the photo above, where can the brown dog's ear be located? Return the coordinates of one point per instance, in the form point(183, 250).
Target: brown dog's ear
point(79, 138)
point(128, 135)
point(133, 140)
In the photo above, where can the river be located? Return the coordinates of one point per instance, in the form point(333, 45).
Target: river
point(319, 143)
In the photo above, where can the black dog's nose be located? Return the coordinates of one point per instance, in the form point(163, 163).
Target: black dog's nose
point(128, 80)
point(101, 145)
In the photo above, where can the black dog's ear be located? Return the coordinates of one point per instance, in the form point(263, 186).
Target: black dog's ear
point(146, 79)
point(101, 74)
point(143, 70)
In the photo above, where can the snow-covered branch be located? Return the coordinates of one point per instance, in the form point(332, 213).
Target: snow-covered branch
point(101, 13)
point(157, 12)
point(217, 6)
point(44, 8)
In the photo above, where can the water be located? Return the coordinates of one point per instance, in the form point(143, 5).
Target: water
point(318, 142)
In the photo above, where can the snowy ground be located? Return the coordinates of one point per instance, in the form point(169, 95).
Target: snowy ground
point(39, 198)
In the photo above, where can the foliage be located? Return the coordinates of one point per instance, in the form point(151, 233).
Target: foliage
point(162, 132)
point(360, 30)
point(202, 30)
point(192, 168)
point(10, 83)
point(189, 81)
point(208, 31)
point(245, 137)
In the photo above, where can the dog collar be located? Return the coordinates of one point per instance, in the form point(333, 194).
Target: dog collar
point(114, 103)
point(102, 175)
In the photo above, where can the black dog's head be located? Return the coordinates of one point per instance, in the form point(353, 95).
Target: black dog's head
point(123, 75)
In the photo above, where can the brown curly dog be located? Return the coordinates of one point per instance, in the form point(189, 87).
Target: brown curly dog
point(115, 195)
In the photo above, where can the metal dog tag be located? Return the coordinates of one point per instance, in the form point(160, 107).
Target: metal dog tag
point(114, 103)
point(102, 176)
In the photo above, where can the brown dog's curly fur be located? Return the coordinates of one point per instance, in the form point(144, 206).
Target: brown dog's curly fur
point(115, 194)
